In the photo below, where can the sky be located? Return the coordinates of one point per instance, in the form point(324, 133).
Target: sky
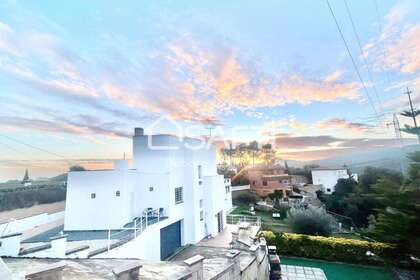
point(77, 76)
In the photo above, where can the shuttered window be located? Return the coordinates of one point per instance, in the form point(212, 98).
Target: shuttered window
point(179, 195)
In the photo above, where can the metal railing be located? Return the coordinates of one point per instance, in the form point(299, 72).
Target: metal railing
point(149, 217)
point(236, 219)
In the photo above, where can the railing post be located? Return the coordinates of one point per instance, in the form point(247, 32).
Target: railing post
point(109, 239)
point(135, 227)
point(158, 215)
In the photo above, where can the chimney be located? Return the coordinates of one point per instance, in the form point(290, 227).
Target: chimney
point(138, 131)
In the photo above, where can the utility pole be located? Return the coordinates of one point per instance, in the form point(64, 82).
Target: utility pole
point(409, 92)
point(398, 136)
point(413, 113)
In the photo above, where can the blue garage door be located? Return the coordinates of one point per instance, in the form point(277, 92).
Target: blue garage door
point(170, 239)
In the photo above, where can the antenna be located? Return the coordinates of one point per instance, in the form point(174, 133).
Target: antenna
point(210, 127)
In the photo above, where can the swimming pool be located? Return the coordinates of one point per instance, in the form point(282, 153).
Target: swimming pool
point(342, 271)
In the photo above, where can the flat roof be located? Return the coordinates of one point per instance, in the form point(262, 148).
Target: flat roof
point(328, 168)
point(21, 213)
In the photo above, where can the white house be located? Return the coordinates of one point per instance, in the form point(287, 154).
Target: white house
point(175, 179)
point(328, 177)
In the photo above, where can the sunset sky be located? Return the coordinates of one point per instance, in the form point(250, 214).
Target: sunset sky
point(77, 76)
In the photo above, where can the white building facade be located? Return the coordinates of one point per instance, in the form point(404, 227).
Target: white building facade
point(328, 178)
point(174, 178)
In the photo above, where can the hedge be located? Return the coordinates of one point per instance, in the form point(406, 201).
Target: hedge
point(28, 196)
point(328, 248)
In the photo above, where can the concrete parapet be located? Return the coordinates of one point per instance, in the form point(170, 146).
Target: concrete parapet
point(129, 271)
point(10, 245)
point(52, 271)
point(195, 264)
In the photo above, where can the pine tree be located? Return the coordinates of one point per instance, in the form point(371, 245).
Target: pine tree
point(26, 177)
point(399, 220)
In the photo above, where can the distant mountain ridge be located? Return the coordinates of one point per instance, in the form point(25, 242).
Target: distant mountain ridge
point(391, 158)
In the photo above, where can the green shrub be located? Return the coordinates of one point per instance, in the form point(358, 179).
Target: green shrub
point(28, 196)
point(282, 209)
point(312, 221)
point(328, 248)
point(246, 198)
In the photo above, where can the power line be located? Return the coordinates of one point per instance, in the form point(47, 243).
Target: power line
point(362, 53)
point(18, 152)
point(36, 148)
point(379, 19)
point(351, 58)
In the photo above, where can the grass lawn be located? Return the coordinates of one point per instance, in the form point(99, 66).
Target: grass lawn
point(266, 219)
point(343, 271)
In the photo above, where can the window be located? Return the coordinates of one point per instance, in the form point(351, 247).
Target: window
point(199, 172)
point(328, 190)
point(201, 203)
point(117, 193)
point(151, 189)
point(264, 183)
point(227, 188)
point(201, 215)
point(93, 195)
point(179, 195)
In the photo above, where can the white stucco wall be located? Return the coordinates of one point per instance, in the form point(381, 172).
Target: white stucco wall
point(214, 192)
point(146, 246)
point(106, 210)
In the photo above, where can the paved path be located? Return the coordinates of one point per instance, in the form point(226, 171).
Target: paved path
point(225, 237)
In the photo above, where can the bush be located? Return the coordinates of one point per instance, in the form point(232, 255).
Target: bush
point(311, 220)
point(282, 209)
point(328, 248)
point(28, 196)
point(246, 198)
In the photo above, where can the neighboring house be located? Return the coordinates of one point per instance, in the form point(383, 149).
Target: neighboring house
point(267, 179)
point(178, 184)
point(328, 177)
point(298, 180)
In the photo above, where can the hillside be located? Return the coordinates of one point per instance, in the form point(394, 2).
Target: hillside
point(391, 158)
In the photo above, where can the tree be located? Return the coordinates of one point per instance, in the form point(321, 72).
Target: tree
point(357, 200)
point(26, 177)
point(344, 187)
point(311, 221)
point(77, 168)
point(246, 198)
point(305, 171)
point(276, 196)
point(398, 222)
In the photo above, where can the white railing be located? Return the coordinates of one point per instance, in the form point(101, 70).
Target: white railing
point(149, 217)
point(20, 225)
point(241, 188)
point(236, 219)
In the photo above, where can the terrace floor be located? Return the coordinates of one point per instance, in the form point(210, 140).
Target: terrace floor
point(225, 237)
